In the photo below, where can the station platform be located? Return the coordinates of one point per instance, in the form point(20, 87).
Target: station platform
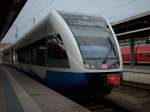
point(138, 74)
point(20, 93)
point(138, 69)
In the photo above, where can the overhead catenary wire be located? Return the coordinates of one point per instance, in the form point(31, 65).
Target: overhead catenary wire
point(37, 14)
point(88, 3)
point(117, 7)
point(31, 4)
point(52, 1)
point(108, 10)
point(31, 18)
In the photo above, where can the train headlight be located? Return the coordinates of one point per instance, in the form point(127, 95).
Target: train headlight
point(89, 65)
point(92, 66)
point(104, 66)
point(86, 65)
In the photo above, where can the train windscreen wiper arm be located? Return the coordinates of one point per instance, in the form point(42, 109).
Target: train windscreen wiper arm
point(107, 54)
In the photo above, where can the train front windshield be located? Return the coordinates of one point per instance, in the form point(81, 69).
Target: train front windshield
point(96, 42)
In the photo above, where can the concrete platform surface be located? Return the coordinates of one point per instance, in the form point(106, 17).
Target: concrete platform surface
point(138, 74)
point(137, 68)
point(20, 93)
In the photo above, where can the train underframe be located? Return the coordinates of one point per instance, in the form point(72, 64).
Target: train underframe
point(83, 85)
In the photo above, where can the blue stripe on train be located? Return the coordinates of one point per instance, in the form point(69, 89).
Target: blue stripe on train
point(65, 80)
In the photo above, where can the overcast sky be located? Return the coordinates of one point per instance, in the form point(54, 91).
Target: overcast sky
point(113, 10)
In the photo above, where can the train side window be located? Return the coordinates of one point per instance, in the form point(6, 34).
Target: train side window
point(57, 56)
point(27, 54)
point(140, 54)
point(20, 55)
point(39, 52)
point(6, 57)
point(146, 54)
point(33, 53)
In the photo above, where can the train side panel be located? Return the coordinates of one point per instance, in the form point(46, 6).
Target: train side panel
point(141, 56)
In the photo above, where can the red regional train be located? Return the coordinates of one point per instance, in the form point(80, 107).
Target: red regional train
point(141, 56)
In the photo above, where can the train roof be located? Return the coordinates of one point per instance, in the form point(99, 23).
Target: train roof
point(26, 37)
point(78, 13)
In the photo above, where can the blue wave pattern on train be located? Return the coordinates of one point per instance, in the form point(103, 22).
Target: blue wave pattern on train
point(73, 53)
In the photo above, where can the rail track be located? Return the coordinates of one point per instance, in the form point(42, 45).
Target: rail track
point(103, 105)
point(136, 85)
point(120, 102)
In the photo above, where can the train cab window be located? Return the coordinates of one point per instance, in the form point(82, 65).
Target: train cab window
point(57, 56)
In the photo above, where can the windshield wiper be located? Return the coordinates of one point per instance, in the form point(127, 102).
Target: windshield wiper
point(93, 58)
point(105, 28)
point(111, 48)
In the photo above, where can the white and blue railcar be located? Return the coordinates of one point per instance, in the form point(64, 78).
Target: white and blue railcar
point(73, 53)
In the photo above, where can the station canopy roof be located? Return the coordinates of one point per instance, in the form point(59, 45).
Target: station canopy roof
point(9, 10)
point(135, 26)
